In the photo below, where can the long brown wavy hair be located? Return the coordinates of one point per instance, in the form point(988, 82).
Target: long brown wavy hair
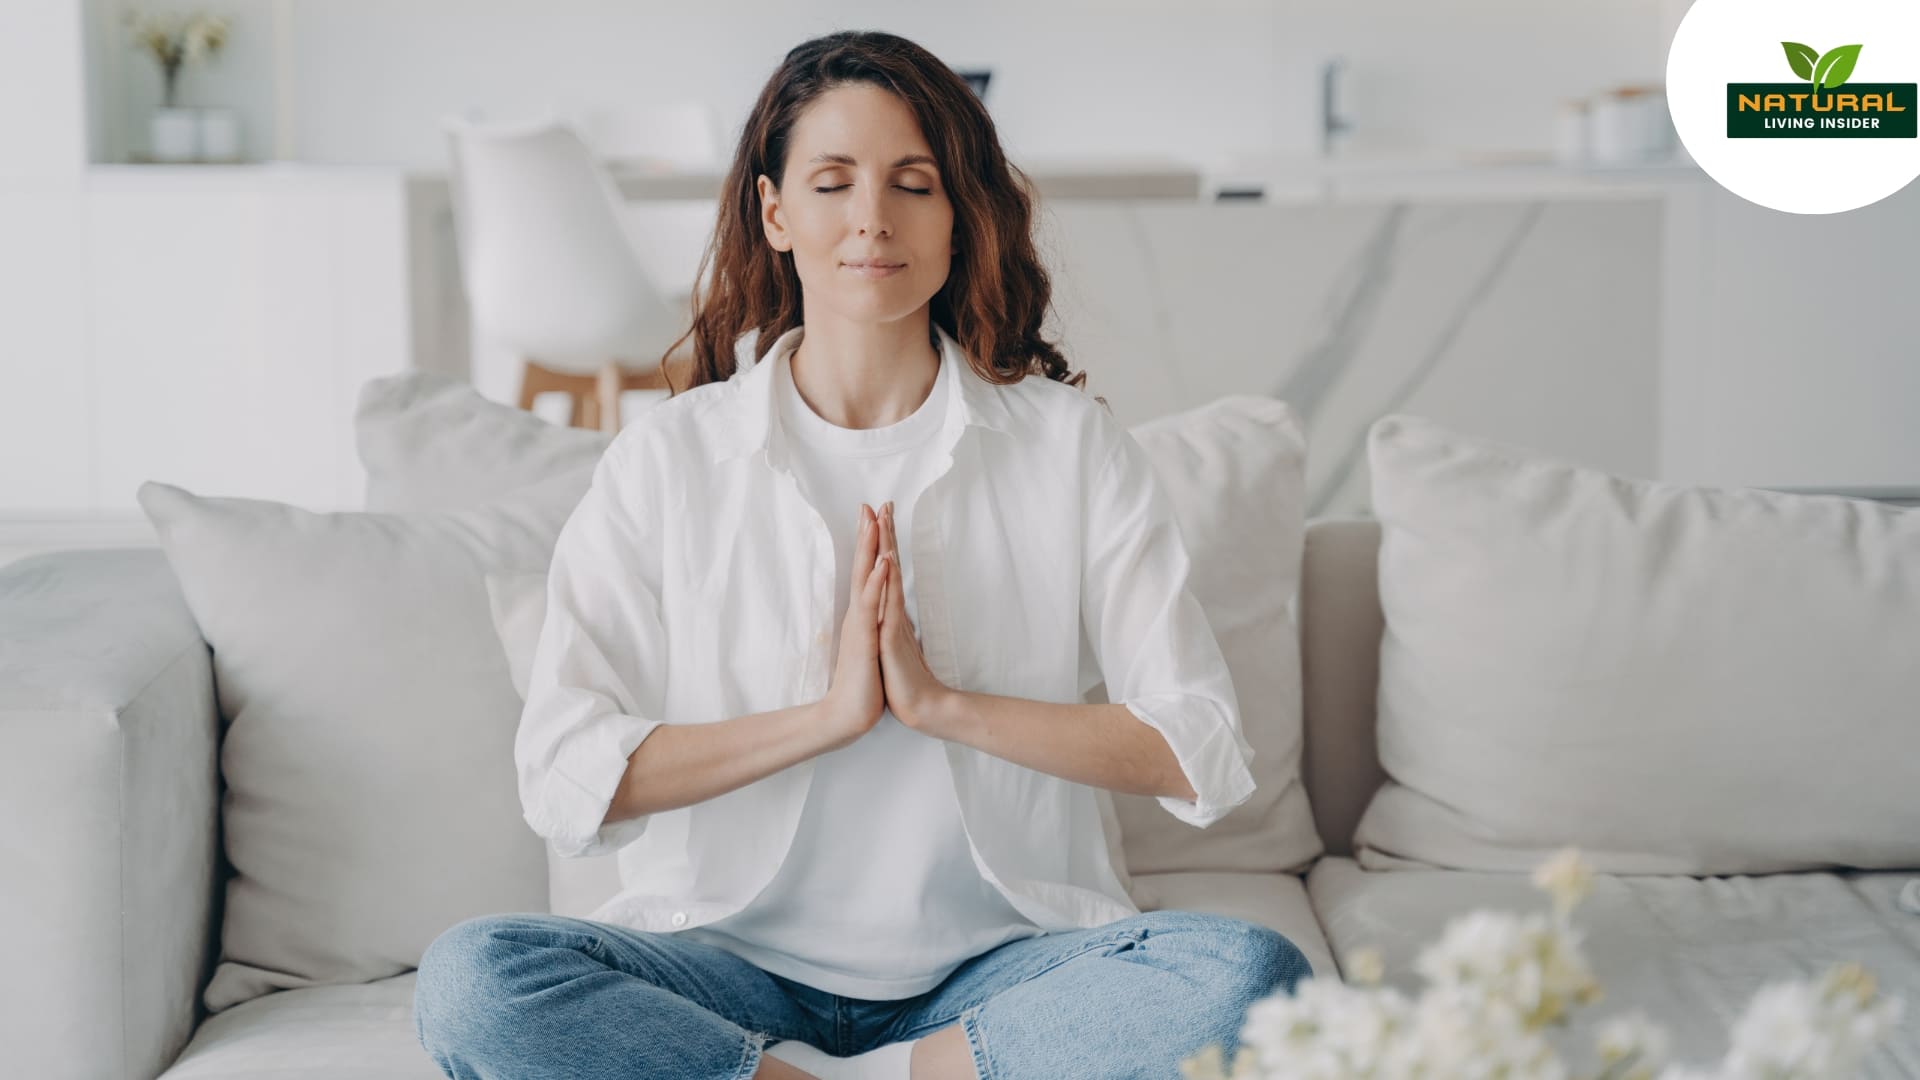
point(996, 292)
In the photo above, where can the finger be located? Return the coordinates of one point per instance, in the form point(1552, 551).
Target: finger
point(868, 546)
point(873, 596)
point(897, 591)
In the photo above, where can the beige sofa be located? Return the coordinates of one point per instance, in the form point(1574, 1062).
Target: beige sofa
point(113, 793)
point(112, 734)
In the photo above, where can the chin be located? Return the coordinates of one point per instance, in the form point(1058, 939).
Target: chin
point(877, 306)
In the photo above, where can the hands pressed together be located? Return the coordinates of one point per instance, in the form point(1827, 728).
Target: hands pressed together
point(880, 665)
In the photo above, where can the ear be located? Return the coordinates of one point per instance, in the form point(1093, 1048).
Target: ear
point(772, 222)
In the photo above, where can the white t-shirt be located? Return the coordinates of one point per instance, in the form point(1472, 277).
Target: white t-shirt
point(879, 897)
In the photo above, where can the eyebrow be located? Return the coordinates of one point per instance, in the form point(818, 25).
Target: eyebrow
point(847, 159)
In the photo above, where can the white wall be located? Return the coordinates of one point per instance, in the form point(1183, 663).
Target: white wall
point(1201, 79)
point(1792, 357)
point(43, 101)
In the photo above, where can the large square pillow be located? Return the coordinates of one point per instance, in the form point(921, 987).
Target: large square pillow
point(1677, 680)
point(1234, 470)
point(368, 718)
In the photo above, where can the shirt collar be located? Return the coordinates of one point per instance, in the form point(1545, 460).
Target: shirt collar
point(749, 414)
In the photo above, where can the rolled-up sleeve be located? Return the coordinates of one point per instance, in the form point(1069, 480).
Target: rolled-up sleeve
point(1154, 646)
point(596, 688)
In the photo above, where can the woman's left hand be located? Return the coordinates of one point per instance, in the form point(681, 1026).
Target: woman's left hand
point(912, 690)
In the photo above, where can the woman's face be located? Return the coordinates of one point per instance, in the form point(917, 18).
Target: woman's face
point(861, 185)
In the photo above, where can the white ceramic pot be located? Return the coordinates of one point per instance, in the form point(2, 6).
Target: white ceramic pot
point(174, 134)
point(1630, 126)
point(219, 135)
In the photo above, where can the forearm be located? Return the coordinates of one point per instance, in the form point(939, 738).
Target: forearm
point(1103, 746)
point(683, 764)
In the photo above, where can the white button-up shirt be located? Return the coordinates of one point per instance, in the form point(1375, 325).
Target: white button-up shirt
point(694, 583)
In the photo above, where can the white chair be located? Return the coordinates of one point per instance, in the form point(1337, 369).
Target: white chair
point(549, 270)
point(674, 136)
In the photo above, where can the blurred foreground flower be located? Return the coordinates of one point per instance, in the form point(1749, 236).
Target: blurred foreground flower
point(1497, 981)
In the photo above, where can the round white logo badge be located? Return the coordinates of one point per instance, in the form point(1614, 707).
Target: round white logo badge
point(1806, 108)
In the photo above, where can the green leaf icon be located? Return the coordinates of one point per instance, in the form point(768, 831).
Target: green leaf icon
point(1801, 57)
point(1833, 68)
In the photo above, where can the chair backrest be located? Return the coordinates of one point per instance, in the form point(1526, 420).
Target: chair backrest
point(676, 135)
point(549, 268)
point(1341, 624)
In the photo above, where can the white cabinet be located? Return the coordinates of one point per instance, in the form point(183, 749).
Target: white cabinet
point(45, 386)
point(204, 327)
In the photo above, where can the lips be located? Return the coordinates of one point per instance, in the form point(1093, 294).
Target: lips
point(873, 264)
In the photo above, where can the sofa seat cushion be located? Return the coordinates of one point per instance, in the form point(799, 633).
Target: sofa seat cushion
point(365, 1031)
point(1690, 952)
point(360, 1031)
point(1276, 901)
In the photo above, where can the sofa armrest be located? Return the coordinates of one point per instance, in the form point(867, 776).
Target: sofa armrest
point(109, 814)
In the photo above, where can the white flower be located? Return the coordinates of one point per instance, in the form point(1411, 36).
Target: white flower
point(1636, 1039)
point(1532, 964)
point(1495, 980)
point(1459, 1034)
point(1803, 1029)
point(1687, 1072)
point(1325, 1030)
point(1567, 877)
point(1365, 966)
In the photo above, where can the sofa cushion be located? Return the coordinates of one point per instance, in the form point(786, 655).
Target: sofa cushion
point(367, 1032)
point(1689, 952)
point(362, 1032)
point(369, 723)
point(1234, 470)
point(1676, 680)
point(1274, 900)
point(430, 441)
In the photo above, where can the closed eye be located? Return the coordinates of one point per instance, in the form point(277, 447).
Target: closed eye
point(902, 187)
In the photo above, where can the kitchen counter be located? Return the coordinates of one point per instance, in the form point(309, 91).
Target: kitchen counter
point(1446, 178)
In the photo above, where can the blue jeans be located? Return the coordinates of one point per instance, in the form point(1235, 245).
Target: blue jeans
point(536, 995)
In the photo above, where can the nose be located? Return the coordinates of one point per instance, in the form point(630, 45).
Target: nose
point(871, 213)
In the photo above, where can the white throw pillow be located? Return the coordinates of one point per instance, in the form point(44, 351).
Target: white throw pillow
point(580, 885)
point(368, 720)
point(1677, 680)
point(430, 441)
point(1234, 470)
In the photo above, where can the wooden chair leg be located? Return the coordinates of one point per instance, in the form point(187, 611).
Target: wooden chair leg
point(529, 383)
point(607, 390)
point(577, 415)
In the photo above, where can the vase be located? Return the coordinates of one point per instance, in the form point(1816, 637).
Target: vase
point(174, 134)
point(219, 135)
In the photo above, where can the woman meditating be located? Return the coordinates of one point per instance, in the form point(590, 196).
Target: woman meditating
point(815, 654)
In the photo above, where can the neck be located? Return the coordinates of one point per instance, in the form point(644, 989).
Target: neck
point(865, 375)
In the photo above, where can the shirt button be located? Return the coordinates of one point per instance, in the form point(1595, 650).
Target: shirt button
point(824, 637)
point(679, 918)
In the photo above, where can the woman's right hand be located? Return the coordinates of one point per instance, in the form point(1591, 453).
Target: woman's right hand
point(855, 699)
